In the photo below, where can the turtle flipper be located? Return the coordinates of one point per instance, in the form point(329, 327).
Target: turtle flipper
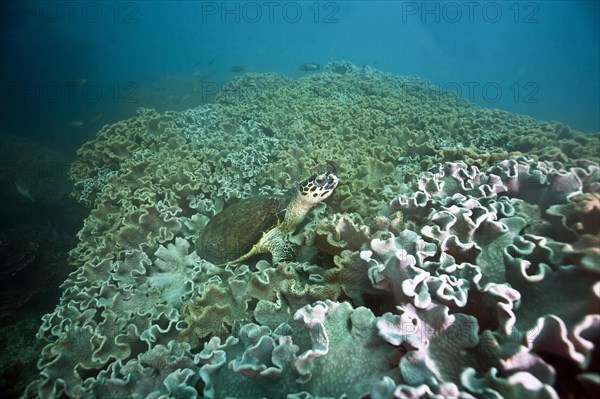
point(256, 249)
point(283, 251)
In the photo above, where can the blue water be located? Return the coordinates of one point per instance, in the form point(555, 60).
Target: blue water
point(69, 67)
point(537, 58)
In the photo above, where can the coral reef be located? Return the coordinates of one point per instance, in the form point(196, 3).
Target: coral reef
point(457, 258)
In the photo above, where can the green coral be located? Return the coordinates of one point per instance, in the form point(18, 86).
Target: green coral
point(233, 297)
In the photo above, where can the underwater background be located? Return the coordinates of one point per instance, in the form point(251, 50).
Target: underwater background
point(459, 255)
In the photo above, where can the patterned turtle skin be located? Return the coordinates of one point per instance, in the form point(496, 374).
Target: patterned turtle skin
point(260, 224)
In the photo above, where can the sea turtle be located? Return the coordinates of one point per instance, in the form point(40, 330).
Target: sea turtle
point(261, 224)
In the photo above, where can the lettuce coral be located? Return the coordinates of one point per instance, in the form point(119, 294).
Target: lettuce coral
point(303, 357)
point(424, 276)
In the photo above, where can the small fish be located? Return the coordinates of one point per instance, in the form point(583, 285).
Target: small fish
point(310, 67)
point(238, 68)
point(96, 117)
point(24, 190)
point(75, 82)
point(76, 124)
point(198, 69)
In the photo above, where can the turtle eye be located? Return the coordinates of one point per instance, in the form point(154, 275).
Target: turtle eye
point(320, 180)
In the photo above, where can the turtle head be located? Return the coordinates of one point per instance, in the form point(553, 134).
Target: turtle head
point(318, 187)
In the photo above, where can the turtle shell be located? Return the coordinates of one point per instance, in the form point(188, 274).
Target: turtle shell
point(232, 232)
